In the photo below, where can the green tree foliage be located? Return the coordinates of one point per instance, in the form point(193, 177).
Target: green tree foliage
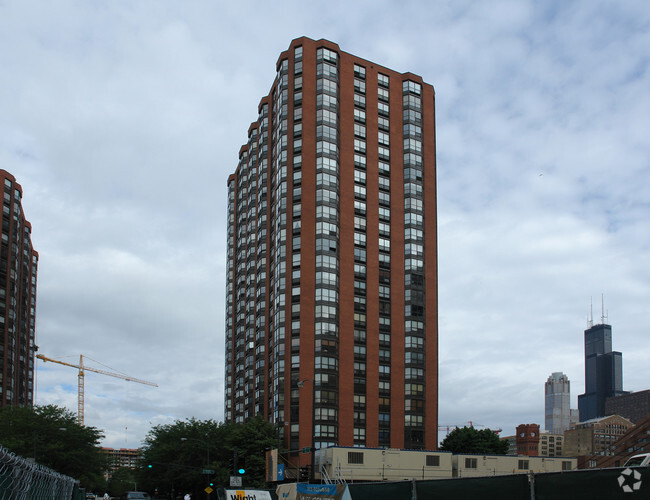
point(471, 440)
point(252, 439)
point(51, 435)
point(122, 479)
point(175, 455)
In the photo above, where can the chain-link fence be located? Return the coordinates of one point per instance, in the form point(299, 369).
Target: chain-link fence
point(22, 479)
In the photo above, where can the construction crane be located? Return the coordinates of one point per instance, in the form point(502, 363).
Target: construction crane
point(82, 370)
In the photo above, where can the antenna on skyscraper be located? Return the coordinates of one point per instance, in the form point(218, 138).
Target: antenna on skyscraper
point(590, 320)
point(603, 316)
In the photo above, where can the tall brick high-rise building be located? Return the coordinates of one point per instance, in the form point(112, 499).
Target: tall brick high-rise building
point(332, 300)
point(18, 267)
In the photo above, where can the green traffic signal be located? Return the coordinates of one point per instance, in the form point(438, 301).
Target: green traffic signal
point(242, 470)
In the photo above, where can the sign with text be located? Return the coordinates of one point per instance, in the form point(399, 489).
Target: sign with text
point(247, 495)
point(320, 491)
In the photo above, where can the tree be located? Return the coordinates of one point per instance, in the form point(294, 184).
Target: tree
point(252, 439)
point(122, 479)
point(175, 455)
point(53, 438)
point(471, 440)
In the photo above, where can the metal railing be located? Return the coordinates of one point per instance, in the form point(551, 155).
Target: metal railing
point(337, 479)
point(22, 479)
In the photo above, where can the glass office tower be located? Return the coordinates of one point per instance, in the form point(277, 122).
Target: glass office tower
point(557, 403)
point(603, 372)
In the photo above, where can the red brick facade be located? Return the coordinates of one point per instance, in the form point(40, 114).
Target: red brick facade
point(332, 260)
point(18, 272)
point(528, 440)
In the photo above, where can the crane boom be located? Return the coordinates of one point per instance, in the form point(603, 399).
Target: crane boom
point(82, 369)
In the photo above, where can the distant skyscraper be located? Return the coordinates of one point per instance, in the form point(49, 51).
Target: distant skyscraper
point(603, 372)
point(331, 302)
point(18, 266)
point(557, 416)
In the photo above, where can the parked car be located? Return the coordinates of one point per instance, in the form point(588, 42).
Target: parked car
point(638, 460)
point(135, 495)
point(90, 496)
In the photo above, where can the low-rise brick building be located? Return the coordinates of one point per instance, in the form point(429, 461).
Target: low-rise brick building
point(595, 436)
point(634, 405)
point(528, 440)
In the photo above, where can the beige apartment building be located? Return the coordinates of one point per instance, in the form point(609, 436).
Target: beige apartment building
point(551, 445)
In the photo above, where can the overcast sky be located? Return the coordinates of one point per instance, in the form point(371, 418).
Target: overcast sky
point(123, 119)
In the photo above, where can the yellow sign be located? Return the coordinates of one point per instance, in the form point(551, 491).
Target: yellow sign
point(208, 490)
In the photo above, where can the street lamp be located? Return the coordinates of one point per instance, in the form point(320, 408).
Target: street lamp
point(301, 384)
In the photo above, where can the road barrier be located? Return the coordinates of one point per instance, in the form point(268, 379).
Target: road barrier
point(22, 479)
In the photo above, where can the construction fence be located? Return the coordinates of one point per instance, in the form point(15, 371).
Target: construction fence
point(588, 484)
point(22, 479)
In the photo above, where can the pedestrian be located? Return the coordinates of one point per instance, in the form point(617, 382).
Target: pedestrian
point(106, 497)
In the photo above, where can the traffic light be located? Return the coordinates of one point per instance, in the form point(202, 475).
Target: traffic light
point(237, 465)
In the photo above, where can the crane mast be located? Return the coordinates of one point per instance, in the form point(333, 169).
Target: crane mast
point(80, 380)
point(81, 398)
